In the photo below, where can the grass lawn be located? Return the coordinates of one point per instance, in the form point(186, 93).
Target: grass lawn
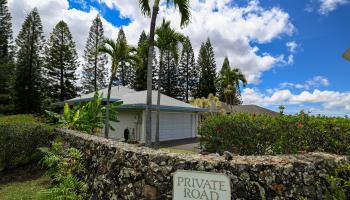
point(22, 184)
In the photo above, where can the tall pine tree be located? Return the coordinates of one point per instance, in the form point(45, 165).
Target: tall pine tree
point(140, 79)
point(6, 57)
point(188, 72)
point(169, 81)
point(29, 79)
point(126, 72)
point(206, 63)
point(61, 61)
point(94, 73)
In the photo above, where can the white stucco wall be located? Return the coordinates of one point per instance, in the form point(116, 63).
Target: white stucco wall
point(127, 119)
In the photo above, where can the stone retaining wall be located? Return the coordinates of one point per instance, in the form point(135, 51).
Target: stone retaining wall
point(116, 170)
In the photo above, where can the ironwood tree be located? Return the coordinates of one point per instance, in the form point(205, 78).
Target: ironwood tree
point(6, 58)
point(188, 72)
point(94, 74)
point(140, 81)
point(126, 72)
point(29, 63)
point(61, 62)
point(206, 63)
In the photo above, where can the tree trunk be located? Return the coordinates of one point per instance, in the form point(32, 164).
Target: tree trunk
point(95, 63)
point(149, 74)
point(61, 71)
point(107, 107)
point(187, 76)
point(158, 101)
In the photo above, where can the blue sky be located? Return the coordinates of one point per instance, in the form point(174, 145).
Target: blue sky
point(289, 50)
point(320, 39)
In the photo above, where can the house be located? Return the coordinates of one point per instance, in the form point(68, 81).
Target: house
point(252, 109)
point(178, 120)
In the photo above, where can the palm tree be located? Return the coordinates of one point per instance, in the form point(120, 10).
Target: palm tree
point(229, 83)
point(167, 42)
point(184, 9)
point(120, 52)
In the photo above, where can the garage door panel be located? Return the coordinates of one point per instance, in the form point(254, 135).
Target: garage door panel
point(174, 126)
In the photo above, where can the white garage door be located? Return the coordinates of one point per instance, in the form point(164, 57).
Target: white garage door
point(174, 126)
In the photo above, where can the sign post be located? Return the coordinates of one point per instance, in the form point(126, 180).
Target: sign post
point(191, 185)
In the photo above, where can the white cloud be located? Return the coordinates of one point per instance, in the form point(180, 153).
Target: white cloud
point(315, 82)
point(326, 100)
point(52, 11)
point(235, 31)
point(324, 7)
point(292, 46)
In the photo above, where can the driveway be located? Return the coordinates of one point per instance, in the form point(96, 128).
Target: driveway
point(191, 144)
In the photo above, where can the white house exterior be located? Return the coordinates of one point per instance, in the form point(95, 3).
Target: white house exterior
point(178, 120)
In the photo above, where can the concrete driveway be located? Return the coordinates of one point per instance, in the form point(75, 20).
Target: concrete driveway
point(191, 144)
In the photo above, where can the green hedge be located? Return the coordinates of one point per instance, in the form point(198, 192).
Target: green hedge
point(20, 137)
point(248, 134)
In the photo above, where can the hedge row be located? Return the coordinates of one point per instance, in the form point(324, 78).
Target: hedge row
point(20, 137)
point(248, 134)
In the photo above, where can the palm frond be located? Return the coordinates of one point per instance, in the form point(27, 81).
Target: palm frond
point(185, 11)
point(145, 8)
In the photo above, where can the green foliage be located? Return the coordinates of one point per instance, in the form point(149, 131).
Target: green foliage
point(339, 184)
point(20, 136)
point(6, 59)
point(29, 65)
point(94, 71)
point(63, 163)
point(261, 134)
point(126, 72)
point(87, 117)
point(140, 82)
point(206, 63)
point(188, 72)
point(167, 42)
point(229, 82)
point(61, 63)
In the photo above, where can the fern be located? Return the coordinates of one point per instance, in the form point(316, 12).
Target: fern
point(61, 164)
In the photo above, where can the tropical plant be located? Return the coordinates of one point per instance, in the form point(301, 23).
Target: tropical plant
point(229, 83)
point(167, 43)
point(62, 164)
point(184, 9)
point(87, 117)
point(120, 52)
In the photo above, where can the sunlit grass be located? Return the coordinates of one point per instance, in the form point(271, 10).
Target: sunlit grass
point(23, 190)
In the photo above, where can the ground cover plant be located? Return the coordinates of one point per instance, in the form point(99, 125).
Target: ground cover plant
point(247, 134)
point(20, 138)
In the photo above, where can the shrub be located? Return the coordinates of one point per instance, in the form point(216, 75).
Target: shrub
point(261, 134)
point(20, 137)
point(339, 184)
point(62, 163)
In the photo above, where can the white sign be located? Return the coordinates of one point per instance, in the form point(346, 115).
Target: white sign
point(189, 185)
